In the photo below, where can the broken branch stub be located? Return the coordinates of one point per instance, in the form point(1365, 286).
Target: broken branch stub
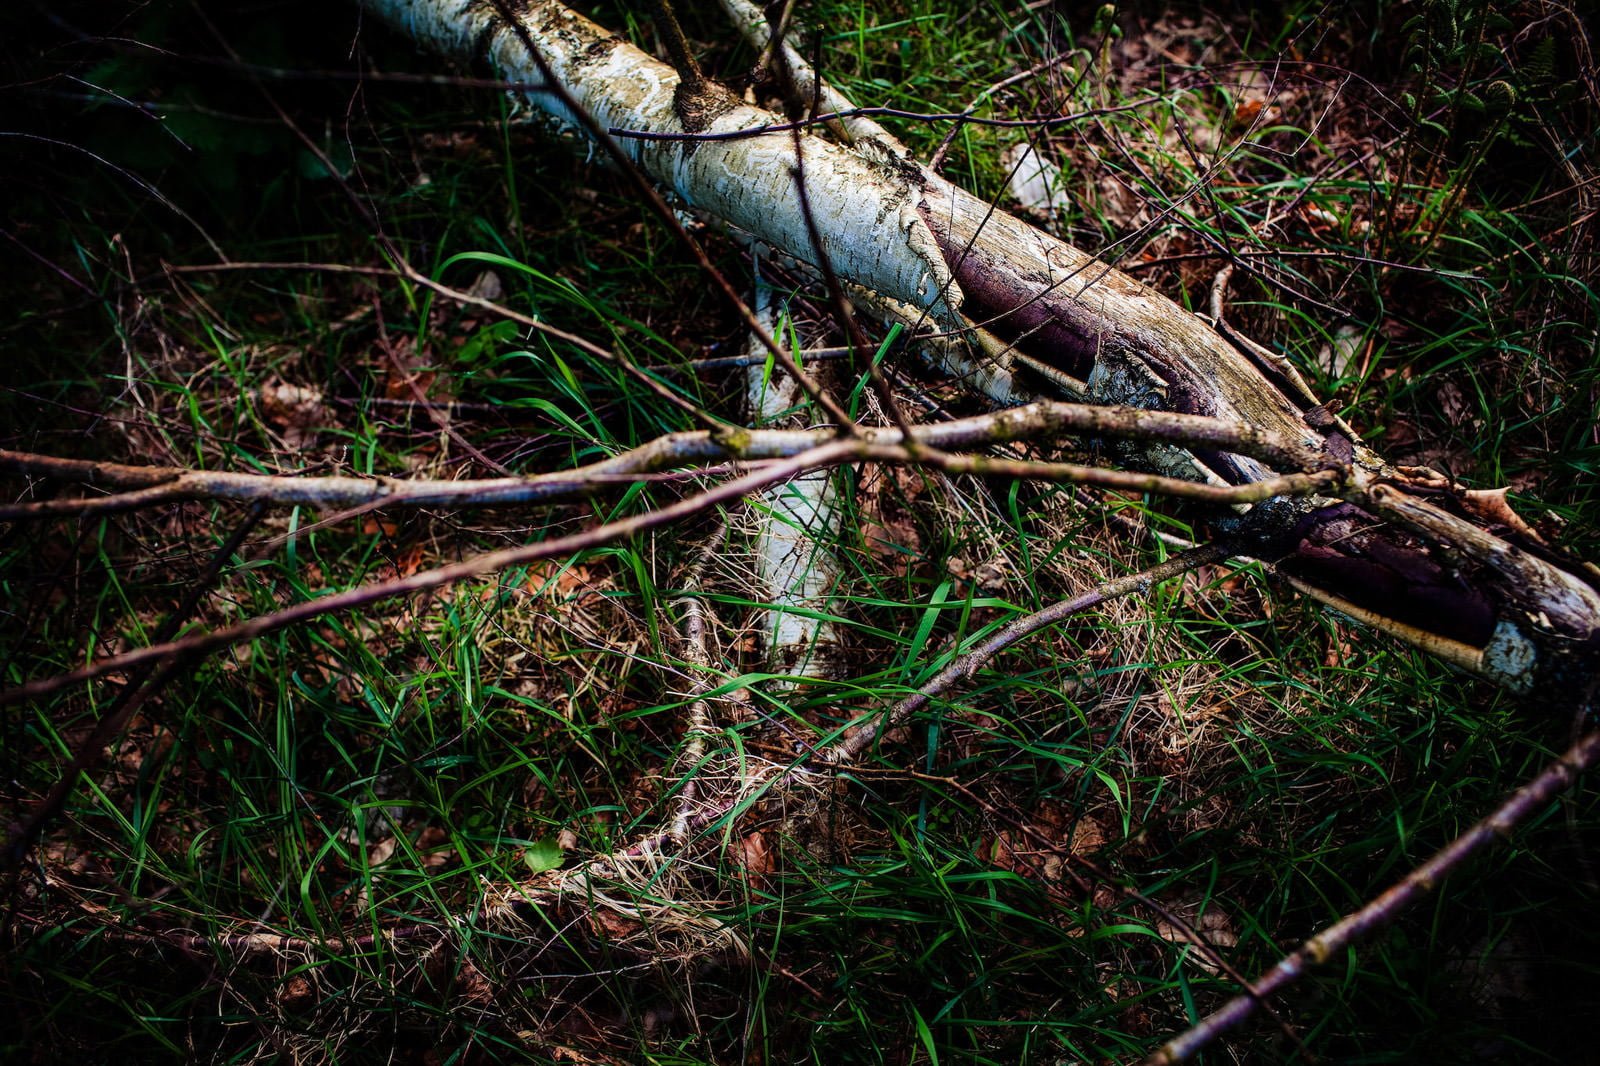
point(1518, 613)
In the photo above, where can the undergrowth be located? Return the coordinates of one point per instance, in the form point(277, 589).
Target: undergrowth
point(1410, 188)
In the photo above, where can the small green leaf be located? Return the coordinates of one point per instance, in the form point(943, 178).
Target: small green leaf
point(543, 855)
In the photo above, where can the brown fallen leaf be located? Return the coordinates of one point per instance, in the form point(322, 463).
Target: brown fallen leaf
point(1214, 927)
point(294, 411)
point(754, 858)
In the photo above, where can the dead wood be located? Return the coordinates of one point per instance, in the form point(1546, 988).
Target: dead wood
point(1394, 551)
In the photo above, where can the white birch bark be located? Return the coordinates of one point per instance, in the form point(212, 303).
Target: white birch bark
point(867, 213)
point(1035, 183)
point(794, 523)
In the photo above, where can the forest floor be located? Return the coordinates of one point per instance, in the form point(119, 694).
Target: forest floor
point(341, 842)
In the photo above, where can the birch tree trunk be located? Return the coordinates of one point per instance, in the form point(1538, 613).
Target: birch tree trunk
point(1393, 551)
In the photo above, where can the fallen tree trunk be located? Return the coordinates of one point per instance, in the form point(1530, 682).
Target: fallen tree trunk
point(1404, 553)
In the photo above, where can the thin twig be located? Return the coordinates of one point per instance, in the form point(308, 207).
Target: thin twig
point(1047, 420)
point(409, 379)
point(690, 76)
point(335, 491)
point(970, 662)
point(214, 640)
point(936, 161)
point(740, 362)
point(882, 112)
point(127, 702)
point(694, 636)
point(1350, 930)
point(1322, 481)
point(1294, 253)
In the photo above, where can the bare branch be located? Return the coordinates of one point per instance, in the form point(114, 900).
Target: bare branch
point(819, 456)
point(1323, 481)
point(205, 643)
point(695, 638)
point(150, 485)
point(1344, 934)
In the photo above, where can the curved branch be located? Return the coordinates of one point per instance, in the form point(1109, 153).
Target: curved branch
point(833, 453)
point(970, 662)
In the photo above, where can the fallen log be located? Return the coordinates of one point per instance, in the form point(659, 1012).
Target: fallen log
point(1398, 550)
